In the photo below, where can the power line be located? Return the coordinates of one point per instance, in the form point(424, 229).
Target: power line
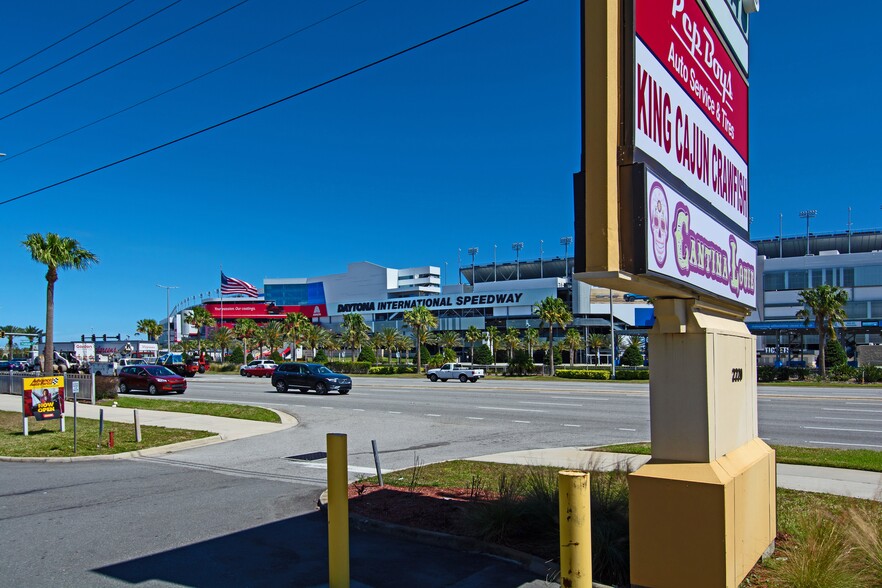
point(190, 81)
point(87, 49)
point(129, 58)
point(65, 38)
point(269, 105)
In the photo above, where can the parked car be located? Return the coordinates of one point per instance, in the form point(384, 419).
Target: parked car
point(256, 363)
point(152, 378)
point(14, 366)
point(176, 363)
point(261, 370)
point(310, 376)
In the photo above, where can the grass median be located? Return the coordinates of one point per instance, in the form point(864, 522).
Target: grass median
point(231, 411)
point(46, 440)
point(852, 459)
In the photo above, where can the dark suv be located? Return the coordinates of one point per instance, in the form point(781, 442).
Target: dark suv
point(310, 376)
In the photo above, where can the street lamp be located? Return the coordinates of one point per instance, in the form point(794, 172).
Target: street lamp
point(167, 315)
point(473, 251)
point(517, 248)
point(807, 215)
point(565, 241)
point(541, 268)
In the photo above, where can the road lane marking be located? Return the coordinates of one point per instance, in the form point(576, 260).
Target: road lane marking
point(632, 430)
point(432, 415)
point(358, 409)
point(845, 419)
point(393, 412)
point(475, 418)
point(522, 422)
point(850, 410)
point(848, 444)
point(550, 403)
point(512, 409)
point(843, 430)
point(572, 425)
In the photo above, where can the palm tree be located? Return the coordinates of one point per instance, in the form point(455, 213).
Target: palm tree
point(275, 335)
point(553, 311)
point(512, 337)
point(473, 335)
point(827, 305)
point(405, 344)
point(149, 327)
point(222, 338)
point(244, 330)
point(449, 340)
point(596, 342)
point(260, 339)
point(420, 319)
point(200, 318)
point(388, 338)
point(573, 340)
point(493, 337)
point(295, 323)
point(531, 339)
point(355, 333)
point(55, 252)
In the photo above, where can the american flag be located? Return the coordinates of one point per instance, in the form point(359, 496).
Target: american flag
point(234, 286)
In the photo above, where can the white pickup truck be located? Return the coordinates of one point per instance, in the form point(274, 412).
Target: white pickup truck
point(454, 371)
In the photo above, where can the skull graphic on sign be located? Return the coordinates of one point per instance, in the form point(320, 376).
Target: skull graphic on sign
point(658, 222)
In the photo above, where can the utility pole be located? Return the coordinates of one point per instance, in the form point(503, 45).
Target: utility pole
point(168, 318)
point(808, 215)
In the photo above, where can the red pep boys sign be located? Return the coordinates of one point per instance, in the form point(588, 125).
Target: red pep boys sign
point(690, 104)
point(43, 398)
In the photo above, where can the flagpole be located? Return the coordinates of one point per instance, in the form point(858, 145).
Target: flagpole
point(222, 294)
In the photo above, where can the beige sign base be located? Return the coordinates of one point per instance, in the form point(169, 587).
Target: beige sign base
point(702, 524)
point(703, 509)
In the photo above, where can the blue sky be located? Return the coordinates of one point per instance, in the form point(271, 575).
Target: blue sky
point(467, 142)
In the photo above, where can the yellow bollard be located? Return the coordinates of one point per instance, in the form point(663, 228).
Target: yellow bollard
point(575, 529)
point(338, 512)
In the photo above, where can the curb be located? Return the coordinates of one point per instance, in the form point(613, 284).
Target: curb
point(534, 564)
point(126, 455)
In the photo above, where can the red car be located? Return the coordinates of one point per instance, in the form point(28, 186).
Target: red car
point(258, 369)
point(153, 378)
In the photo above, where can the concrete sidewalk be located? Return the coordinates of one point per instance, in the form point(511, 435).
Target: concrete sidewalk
point(854, 483)
point(226, 429)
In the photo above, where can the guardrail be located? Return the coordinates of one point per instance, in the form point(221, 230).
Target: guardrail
point(13, 383)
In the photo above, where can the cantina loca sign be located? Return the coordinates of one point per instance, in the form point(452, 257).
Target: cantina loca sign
point(433, 302)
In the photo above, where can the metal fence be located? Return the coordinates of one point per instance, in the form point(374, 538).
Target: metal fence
point(13, 383)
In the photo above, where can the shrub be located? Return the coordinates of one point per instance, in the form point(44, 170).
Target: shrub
point(236, 356)
point(765, 373)
point(483, 355)
point(834, 354)
point(782, 374)
point(632, 374)
point(348, 367)
point(521, 364)
point(321, 356)
point(843, 373)
point(276, 357)
point(392, 369)
point(106, 387)
point(435, 361)
point(632, 356)
point(558, 359)
point(367, 355)
point(583, 374)
point(871, 374)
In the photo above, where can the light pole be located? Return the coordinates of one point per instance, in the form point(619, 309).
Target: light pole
point(541, 269)
point(167, 316)
point(565, 241)
point(808, 215)
point(473, 251)
point(494, 262)
point(459, 264)
point(517, 249)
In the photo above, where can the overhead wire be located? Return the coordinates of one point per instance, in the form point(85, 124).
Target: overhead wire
point(327, 82)
point(127, 59)
point(89, 48)
point(65, 38)
point(10, 157)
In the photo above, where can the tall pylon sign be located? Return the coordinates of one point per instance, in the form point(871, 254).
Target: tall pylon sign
point(662, 206)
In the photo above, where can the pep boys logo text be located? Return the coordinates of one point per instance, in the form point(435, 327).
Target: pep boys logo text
point(681, 37)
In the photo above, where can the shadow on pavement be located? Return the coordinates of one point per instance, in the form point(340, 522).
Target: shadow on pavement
point(293, 552)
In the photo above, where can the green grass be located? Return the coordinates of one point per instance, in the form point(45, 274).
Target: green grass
point(233, 411)
point(852, 459)
point(46, 440)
